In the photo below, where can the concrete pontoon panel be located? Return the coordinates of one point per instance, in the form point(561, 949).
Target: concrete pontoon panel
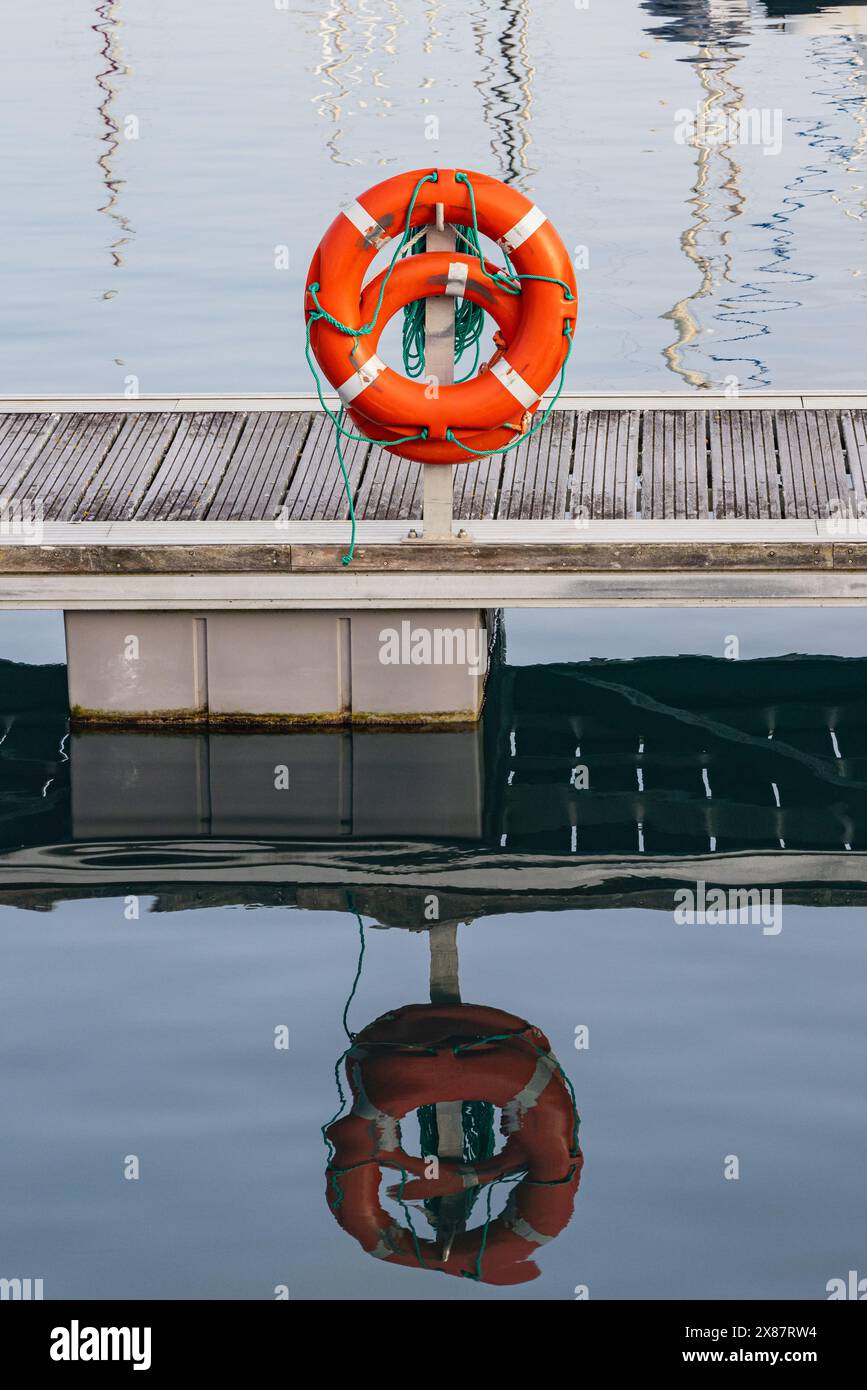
point(278, 665)
point(144, 666)
point(418, 665)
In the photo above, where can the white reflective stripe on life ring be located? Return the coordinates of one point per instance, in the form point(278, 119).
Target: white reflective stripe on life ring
point(523, 229)
point(372, 231)
point(514, 383)
point(457, 282)
point(519, 1224)
point(360, 380)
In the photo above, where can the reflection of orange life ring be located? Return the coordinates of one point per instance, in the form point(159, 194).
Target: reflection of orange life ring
point(488, 411)
point(428, 1054)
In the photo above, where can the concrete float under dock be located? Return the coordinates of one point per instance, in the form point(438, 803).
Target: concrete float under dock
point(192, 512)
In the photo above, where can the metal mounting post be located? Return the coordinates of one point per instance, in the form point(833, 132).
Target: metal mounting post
point(445, 989)
point(439, 352)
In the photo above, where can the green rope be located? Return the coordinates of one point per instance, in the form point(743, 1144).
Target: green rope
point(469, 317)
point(341, 433)
point(509, 280)
point(469, 329)
point(366, 328)
point(540, 423)
point(347, 558)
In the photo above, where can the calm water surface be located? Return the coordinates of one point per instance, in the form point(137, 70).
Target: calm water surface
point(157, 158)
point(154, 1036)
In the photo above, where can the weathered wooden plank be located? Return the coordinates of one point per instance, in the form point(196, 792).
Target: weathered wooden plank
point(423, 557)
point(62, 469)
point(263, 466)
point(622, 500)
point(613, 464)
point(391, 489)
point(715, 465)
point(829, 460)
point(651, 481)
point(584, 452)
point(797, 465)
point(316, 490)
point(186, 482)
point(684, 470)
point(746, 463)
point(673, 465)
point(115, 491)
point(602, 486)
point(695, 427)
point(574, 558)
point(725, 490)
point(653, 464)
point(853, 425)
point(477, 488)
point(767, 471)
point(22, 439)
point(536, 473)
point(145, 559)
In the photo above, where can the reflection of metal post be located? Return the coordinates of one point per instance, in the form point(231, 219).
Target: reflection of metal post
point(445, 988)
point(439, 355)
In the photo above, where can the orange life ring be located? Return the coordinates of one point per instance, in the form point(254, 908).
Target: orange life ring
point(488, 411)
point(426, 1054)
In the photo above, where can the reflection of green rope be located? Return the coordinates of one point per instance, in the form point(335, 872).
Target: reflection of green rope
point(342, 1058)
point(477, 1122)
point(361, 948)
point(509, 1177)
point(469, 327)
point(549, 1056)
point(489, 1195)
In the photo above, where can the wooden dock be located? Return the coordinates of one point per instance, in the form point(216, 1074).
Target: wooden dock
point(216, 501)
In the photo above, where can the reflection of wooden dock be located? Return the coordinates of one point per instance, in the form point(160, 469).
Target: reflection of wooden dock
point(738, 773)
point(214, 501)
point(392, 882)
